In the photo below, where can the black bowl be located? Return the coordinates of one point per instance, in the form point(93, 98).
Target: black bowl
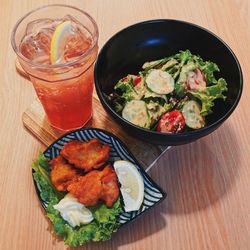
point(127, 50)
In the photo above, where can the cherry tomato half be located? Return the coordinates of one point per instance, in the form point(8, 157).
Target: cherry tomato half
point(136, 80)
point(171, 122)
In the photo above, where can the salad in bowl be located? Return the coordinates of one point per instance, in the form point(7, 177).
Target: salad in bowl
point(170, 95)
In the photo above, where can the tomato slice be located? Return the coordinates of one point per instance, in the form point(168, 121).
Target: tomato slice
point(171, 122)
point(136, 80)
point(196, 80)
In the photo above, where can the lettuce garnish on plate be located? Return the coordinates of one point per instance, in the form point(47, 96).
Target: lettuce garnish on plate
point(100, 229)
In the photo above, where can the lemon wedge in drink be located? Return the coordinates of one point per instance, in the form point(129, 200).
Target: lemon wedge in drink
point(58, 41)
point(132, 186)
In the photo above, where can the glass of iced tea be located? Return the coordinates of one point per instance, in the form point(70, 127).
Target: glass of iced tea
point(57, 46)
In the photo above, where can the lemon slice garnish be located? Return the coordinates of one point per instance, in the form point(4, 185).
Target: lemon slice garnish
point(58, 41)
point(132, 185)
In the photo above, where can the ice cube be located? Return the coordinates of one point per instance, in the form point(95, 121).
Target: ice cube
point(76, 46)
point(79, 40)
point(35, 26)
point(37, 46)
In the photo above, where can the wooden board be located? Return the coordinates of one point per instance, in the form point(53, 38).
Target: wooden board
point(34, 119)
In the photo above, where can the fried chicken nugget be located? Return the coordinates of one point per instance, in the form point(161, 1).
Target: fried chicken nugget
point(110, 188)
point(88, 188)
point(96, 186)
point(62, 173)
point(86, 155)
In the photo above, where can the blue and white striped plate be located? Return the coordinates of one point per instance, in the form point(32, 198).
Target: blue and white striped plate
point(118, 151)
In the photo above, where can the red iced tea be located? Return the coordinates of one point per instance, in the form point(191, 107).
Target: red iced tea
point(65, 86)
point(68, 104)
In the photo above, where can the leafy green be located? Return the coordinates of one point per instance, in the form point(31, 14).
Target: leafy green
point(150, 96)
point(209, 68)
point(123, 93)
point(214, 89)
point(47, 192)
point(154, 99)
point(123, 86)
point(183, 56)
point(188, 62)
point(126, 87)
point(41, 176)
point(207, 98)
point(171, 63)
point(167, 107)
point(43, 162)
point(101, 228)
point(117, 101)
point(218, 89)
point(155, 64)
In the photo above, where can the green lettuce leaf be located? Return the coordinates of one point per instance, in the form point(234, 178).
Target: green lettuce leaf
point(209, 68)
point(105, 223)
point(42, 177)
point(218, 89)
point(123, 86)
point(155, 64)
point(207, 98)
point(214, 89)
point(184, 56)
point(101, 228)
point(170, 64)
point(126, 87)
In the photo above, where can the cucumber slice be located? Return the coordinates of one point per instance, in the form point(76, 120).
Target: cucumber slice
point(136, 112)
point(191, 112)
point(160, 82)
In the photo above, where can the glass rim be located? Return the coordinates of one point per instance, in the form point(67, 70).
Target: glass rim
point(59, 65)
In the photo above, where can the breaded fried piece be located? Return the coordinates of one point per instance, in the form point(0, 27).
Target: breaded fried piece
point(86, 155)
point(88, 188)
point(96, 186)
point(110, 188)
point(62, 173)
